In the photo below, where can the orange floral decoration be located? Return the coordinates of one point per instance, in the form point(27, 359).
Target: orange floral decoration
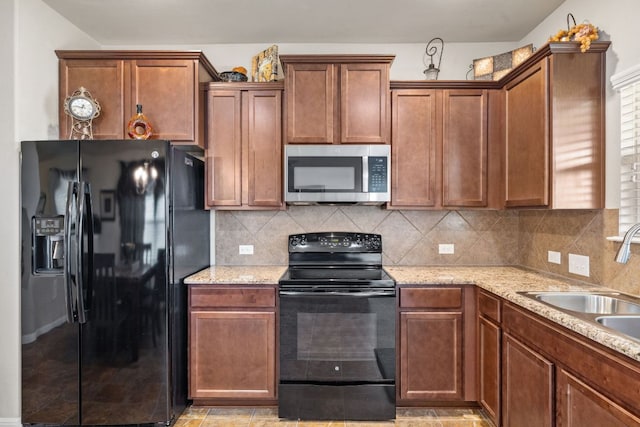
point(583, 33)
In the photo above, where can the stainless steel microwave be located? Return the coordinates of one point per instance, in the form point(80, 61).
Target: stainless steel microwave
point(337, 174)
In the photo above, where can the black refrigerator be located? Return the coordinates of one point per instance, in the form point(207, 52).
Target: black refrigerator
point(109, 231)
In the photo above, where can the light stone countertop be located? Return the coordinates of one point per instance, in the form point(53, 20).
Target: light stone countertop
point(237, 275)
point(502, 281)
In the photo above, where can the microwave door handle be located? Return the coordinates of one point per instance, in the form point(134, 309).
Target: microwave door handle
point(365, 174)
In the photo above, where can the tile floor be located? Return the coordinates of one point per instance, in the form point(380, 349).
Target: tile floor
point(266, 417)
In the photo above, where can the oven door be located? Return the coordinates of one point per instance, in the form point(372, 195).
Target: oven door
point(337, 354)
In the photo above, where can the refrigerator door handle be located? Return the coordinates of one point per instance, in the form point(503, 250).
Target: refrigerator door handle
point(69, 225)
point(82, 194)
point(85, 290)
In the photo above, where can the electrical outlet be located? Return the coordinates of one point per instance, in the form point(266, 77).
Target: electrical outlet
point(554, 257)
point(245, 249)
point(579, 264)
point(446, 248)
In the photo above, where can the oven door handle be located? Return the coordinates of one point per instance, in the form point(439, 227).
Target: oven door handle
point(363, 294)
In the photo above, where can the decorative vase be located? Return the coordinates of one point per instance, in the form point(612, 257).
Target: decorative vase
point(139, 126)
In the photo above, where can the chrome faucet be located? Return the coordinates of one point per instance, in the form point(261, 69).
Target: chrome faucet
point(625, 249)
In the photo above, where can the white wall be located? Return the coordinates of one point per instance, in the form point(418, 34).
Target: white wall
point(41, 31)
point(407, 65)
point(30, 31)
point(9, 250)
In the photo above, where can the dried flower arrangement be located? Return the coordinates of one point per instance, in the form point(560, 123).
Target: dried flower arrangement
point(583, 33)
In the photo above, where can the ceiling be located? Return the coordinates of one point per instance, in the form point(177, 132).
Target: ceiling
point(158, 22)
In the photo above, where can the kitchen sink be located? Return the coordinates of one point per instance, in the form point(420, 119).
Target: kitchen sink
point(613, 310)
point(592, 303)
point(628, 325)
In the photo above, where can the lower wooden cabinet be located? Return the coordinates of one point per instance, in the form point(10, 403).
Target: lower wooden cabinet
point(232, 344)
point(489, 349)
point(436, 345)
point(527, 386)
point(582, 405)
point(431, 356)
point(554, 377)
point(523, 369)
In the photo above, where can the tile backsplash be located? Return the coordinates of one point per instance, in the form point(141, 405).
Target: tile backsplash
point(410, 237)
point(580, 232)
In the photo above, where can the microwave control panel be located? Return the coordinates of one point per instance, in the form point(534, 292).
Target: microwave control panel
point(378, 171)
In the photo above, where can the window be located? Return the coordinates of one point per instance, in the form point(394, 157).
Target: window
point(628, 84)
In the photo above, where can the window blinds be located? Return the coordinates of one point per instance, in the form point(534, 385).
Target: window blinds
point(629, 156)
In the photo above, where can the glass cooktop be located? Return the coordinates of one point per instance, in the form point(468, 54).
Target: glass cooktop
point(366, 277)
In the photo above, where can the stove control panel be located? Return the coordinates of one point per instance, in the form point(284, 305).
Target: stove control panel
point(335, 242)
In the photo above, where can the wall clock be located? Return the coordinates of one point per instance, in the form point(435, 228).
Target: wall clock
point(82, 108)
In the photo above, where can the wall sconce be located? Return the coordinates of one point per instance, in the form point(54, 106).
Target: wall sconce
point(431, 72)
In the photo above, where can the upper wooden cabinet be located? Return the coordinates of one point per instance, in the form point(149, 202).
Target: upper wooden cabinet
point(415, 146)
point(336, 99)
point(244, 146)
point(166, 83)
point(440, 146)
point(555, 128)
point(464, 148)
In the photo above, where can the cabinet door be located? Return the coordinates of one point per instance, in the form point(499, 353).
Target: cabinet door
point(224, 147)
point(527, 386)
point(105, 80)
point(431, 356)
point(581, 405)
point(414, 148)
point(464, 148)
point(262, 143)
point(168, 92)
point(527, 144)
point(311, 92)
point(232, 355)
point(364, 103)
point(489, 366)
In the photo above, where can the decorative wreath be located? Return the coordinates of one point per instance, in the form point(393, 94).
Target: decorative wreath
point(582, 33)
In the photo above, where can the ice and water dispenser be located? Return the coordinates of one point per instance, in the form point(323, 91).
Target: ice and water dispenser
point(48, 244)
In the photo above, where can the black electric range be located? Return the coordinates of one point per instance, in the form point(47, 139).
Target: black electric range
point(337, 329)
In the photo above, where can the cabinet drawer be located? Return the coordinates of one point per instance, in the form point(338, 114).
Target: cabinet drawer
point(206, 297)
point(431, 297)
point(489, 306)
